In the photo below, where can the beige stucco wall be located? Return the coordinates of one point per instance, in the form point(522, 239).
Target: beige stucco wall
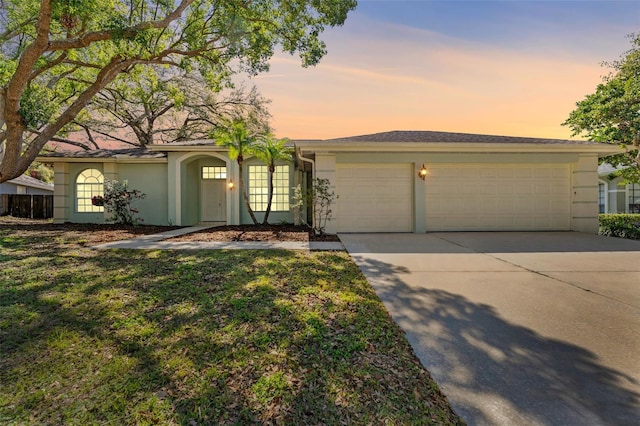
point(61, 193)
point(584, 180)
point(584, 197)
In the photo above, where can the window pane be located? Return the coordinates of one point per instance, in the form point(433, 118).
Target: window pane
point(258, 188)
point(89, 184)
point(214, 172)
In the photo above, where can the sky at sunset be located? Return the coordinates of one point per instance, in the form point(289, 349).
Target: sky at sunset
point(495, 67)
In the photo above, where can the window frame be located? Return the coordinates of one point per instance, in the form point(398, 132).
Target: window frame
point(258, 190)
point(88, 190)
point(633, 198)
point(213, 172)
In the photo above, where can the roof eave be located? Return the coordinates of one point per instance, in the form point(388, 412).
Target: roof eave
point(451, 147)
point(183, 148)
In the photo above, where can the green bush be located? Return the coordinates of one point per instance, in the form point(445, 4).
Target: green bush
point(620, 225)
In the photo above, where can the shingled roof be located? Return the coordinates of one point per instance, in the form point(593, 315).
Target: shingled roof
point(29, 181)
point(141, 153)
point(430, 136)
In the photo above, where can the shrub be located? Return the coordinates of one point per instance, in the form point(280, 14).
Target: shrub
point(117, 200)
point(620, 225)
point(320, 197)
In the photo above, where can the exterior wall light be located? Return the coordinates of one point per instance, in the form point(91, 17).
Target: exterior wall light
point(423, 172)
point(231, 185)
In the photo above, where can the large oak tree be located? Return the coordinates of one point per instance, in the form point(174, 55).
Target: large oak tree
point(56, 55)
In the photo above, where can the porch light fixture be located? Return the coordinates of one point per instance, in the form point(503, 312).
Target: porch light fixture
point(423, 172)
point(231, 185)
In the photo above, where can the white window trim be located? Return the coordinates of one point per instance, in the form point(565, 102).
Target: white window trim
point(606, 195)
point(276, 206)
point(100, 177)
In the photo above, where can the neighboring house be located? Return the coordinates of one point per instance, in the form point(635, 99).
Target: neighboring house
point(26, 185)
point(615, 196)
point(473, 182)
point(22, 185)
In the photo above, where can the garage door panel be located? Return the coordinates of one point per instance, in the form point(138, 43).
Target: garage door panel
point(498, 197)
point(523, 172)
point(504, 173)
point(374, 198)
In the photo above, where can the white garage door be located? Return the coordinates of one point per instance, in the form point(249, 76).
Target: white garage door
point(478, 197)
point(374, 198)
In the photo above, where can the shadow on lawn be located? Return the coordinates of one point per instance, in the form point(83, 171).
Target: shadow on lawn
point(188, 337)
point(482, 359)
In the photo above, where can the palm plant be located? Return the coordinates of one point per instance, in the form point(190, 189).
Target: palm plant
point(238, 139)
point(271, 150)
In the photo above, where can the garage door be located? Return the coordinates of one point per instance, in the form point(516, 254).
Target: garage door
point(498, 197)
point(374, 198)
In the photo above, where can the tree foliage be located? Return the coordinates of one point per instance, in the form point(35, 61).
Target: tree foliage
point(40, 171)
point(612, 113)
point(56, 55)
point(154, 105)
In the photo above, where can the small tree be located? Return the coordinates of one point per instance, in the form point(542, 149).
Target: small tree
point(117, 200)
point(239, 140)
point(320, 197)
point(270, 150)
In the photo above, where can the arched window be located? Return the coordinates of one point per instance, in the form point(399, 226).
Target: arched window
point(89, 183)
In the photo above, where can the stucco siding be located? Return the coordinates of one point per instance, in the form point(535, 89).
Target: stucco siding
point(572, 209)
point(584, 186)
point(150, 179)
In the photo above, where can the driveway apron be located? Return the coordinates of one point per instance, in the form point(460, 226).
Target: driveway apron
point(517, 328)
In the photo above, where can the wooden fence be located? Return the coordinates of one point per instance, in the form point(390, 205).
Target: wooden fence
point(28, 206)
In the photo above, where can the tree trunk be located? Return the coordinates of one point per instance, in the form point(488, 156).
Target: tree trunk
point(245, 196)
point(270, 192)
point(15, 162)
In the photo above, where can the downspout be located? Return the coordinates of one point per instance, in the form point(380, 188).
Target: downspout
point(308, 160)
point(313, 172)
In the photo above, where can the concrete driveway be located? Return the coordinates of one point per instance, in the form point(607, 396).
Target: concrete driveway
point(517, 327)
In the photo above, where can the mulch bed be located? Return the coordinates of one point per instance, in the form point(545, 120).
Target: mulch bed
point(86, 234)
point(256, 233)
point(91, 233)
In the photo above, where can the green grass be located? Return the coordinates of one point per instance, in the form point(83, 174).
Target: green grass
point(210, 337)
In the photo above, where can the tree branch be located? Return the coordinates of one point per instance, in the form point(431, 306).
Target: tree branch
point(11, 33)
point(108, 73)
point(36, 72)
point(89, 38)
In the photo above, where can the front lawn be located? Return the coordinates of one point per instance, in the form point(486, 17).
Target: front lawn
point(193, 338)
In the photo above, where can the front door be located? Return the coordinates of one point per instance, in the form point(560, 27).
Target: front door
point(213, 200)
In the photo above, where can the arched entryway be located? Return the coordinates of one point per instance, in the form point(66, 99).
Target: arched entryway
point(203, 193)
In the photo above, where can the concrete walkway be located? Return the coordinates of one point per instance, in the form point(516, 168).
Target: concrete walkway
point(517, 328)
point(157, 242)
